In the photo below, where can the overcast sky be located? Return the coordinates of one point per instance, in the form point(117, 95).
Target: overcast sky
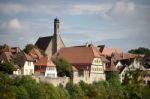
point(123, 24)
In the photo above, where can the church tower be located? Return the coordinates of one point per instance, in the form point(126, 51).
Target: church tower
point(51, 44)
point(57, 41)
point(56, 26)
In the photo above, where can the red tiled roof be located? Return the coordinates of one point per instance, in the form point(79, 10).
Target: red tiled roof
point(79, 55)
point(111, 66)
point(7, 56)
point(108, 51)
point(35, 53)
point(44, 61)
point(120, 56)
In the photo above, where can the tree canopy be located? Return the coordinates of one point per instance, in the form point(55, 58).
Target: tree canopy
point(25, 87)
point(140, 50)
point(63, 67)
point(29, 47)
point(7, 67)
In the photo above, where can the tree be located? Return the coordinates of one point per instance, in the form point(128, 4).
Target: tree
point(62, 92)
point(114, 85)
point(140, 50)
point(7, 67)
point(133, 83)
point(29, 47)
point(146, 92)
point(74, 91)
point(6, 87)
point(21, 92)
point(63, 67)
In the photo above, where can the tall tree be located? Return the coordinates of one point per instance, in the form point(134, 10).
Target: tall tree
point(63, 67)
point(133, 83)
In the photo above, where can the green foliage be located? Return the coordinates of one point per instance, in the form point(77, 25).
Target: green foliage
point(63, 67)
point(140, 50)
point(62, 92)
point(24, 87)
point(115, 88)
point(6, 87)
point(146, 92)
point(133, 83)
point(29, 47)
point(74, 91)
point(7, 68)
point(42, 52)
point(21, 92)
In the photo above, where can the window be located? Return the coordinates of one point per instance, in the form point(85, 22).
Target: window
point(50, 68)
point(93, 69)
point(80, 73)
point(29, 63)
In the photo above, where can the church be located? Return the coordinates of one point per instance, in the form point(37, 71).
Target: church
point(51, 44)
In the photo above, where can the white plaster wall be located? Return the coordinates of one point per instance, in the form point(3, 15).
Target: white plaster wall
point(97, 70)
point(51, 72)
point(85, 78)
point(28, 69)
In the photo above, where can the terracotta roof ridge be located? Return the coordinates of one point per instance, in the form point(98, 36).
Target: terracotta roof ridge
point(93, 50)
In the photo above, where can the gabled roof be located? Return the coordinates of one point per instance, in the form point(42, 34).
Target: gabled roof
point(108, 51)
point(21, 57)
point(44, 61)
point(6, 48)
point(7, 56)
point(111, 66)
point(104, 59)
point(35, 53)
point(79, 55)
point(122, 56)
point(43, 42)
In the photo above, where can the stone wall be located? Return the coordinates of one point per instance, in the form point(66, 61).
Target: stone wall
point(55, 81)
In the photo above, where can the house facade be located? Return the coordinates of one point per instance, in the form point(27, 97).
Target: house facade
point(45, 67)
point(24, 63)
point(86, 63)
point(21, 61)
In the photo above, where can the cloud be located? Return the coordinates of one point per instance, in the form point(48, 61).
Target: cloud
point(11, 8)
point(122, 8)
point(89, 8)
point(13, 24)
point(53, 9)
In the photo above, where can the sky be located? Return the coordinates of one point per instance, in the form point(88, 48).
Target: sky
point(121, 24)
